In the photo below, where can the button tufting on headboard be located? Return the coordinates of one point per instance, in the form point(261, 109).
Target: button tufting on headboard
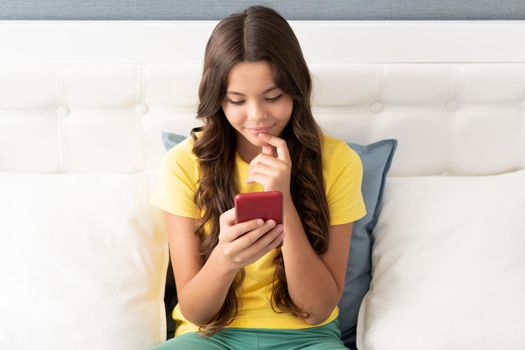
point(101, 105)
point(63, 111)
point(376, 107)
point(452, 105)
point(141, 109)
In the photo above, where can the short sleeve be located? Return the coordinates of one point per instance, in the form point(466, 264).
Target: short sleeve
point(343, 185)
point(177, 183)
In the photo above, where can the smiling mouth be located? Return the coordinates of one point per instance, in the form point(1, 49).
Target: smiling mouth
point(260, 130)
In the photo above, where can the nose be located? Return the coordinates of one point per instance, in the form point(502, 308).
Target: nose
point(256, 111)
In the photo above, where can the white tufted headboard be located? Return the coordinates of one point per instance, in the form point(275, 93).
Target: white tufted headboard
point(83, 253)
point(94, 96)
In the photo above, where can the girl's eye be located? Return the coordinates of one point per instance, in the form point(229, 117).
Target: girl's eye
point(271, 99)
point(274, 98)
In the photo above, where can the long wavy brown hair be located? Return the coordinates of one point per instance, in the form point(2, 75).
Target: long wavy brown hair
point(258, 33)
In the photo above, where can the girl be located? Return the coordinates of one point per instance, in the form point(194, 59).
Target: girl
point(237, 289)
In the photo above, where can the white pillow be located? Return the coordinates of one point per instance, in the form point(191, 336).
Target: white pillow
point(448, 265)
point(83, 259)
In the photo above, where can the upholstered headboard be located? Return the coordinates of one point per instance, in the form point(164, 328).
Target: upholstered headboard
point(94, 96)
point(83, 255)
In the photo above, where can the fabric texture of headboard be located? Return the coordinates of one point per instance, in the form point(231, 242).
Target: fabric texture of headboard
point(95, 96)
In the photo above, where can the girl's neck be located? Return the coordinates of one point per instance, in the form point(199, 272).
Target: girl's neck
point(247, 151)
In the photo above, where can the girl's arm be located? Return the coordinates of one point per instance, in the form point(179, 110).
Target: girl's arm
point(202, 288)
point(315, 283)
point(197, 304)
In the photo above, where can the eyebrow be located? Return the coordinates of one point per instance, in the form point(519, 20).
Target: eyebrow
point(265, 91)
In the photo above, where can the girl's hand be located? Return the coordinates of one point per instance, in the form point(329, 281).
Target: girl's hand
point(244, 243)
point(273, 173)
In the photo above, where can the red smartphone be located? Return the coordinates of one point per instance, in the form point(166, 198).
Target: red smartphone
point(259, 205)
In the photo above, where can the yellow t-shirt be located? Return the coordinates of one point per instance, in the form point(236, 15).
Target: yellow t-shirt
point(342, 171)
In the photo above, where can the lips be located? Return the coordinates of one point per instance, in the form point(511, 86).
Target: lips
point(260, 130)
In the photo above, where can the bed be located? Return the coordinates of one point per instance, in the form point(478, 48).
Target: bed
point(87, 109)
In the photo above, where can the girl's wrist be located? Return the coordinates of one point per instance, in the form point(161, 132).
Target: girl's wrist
point(287, 199)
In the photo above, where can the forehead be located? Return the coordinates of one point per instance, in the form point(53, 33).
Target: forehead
point(250, 76)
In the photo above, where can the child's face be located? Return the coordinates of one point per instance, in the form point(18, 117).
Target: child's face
point(256, 110)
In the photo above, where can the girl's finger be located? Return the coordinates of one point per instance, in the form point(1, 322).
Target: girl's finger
point(246, 240)
point(263, 158)
point(227, 218)
point(267, 149)
point(258, 178)
point(236, 231)
point(265, 243)
point(279, 144)
point(264, 170)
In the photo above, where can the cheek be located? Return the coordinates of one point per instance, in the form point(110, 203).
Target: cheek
point(233, 115)
point(284, 112)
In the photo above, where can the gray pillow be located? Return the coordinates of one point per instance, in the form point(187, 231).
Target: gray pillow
point(376, 159)
point(169, 139)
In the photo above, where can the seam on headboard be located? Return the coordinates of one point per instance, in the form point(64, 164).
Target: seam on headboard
point(455, 72)
point(520, 156)
point(375, 124)
point(521, 149)
point(60, 121)
point(140, 116)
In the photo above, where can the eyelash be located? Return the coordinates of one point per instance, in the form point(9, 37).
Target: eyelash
point(273, 99)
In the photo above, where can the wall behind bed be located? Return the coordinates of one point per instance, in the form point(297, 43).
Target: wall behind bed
point(292, 10)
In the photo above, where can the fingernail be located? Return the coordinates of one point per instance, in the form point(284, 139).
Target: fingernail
point(260, 221)
point(279, 228)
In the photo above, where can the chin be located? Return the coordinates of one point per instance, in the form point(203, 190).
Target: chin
point(255, 141)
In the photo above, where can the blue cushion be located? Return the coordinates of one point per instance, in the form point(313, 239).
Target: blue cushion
point(376, 159)
point(169, 139)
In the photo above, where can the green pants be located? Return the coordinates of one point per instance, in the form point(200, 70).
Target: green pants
point(327, 337)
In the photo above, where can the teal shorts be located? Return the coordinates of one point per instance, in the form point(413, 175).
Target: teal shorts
point(327, 337)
